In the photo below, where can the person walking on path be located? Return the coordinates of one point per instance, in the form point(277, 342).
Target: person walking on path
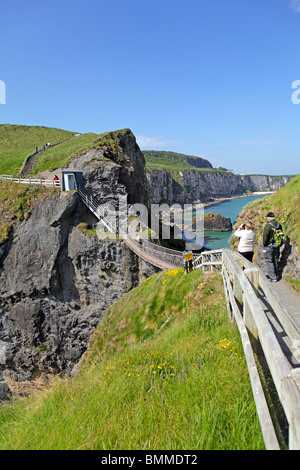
point(246, 234)
point(271, 250)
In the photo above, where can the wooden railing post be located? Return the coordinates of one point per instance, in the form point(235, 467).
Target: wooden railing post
point(253, 276)
point(238, 292)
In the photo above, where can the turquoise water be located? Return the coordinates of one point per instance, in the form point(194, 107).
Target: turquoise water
point(231, 209)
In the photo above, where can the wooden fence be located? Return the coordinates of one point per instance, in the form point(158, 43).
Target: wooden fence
point(243, 284)
point(30, 181)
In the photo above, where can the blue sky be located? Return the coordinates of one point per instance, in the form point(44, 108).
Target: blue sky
point(208, 78)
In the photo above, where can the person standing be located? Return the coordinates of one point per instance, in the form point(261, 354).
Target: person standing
point(56, 180)
point(246, 234)
point(270, 249)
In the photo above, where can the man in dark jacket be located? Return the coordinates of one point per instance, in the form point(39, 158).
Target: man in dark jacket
point(271, 251)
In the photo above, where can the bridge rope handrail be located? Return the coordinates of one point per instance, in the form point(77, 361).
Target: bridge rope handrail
point(158, 262)
point(168, 255)
point(165, 258)
point(91, 202)
point(160, 248)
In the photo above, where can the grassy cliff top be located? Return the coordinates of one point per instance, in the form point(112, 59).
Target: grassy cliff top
point(16, 142)
point(165, 370)
point(61, 155)
point(172, 161)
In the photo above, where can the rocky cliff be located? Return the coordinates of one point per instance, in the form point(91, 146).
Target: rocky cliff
point(190, 186)
point(114, 167)
point(56, 279)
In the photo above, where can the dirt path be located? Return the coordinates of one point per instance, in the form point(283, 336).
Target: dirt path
point(29, 165)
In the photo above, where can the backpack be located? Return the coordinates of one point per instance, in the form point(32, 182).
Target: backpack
point(278, 235)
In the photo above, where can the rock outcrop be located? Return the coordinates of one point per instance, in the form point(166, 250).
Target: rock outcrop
point(217, 223)
point(114, 168)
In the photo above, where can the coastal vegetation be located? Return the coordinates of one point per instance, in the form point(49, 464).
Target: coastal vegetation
point(164, 370)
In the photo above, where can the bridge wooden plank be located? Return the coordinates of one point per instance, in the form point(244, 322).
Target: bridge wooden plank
point(158, 263)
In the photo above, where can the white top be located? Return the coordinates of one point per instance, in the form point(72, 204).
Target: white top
point(247, 239)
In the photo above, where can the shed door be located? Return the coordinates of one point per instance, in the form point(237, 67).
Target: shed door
point(71, 182)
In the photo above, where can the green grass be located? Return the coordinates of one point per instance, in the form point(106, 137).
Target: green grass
point(61, 155)
point(164, 370)
point(294, 283)
point(170, 161)
point(16, 142)
point(166, 161)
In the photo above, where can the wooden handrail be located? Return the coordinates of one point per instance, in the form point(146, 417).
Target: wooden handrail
point(242, 300)
point(264, 416)
point(243, 283)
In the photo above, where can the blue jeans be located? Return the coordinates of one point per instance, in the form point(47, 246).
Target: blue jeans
point(271, 254)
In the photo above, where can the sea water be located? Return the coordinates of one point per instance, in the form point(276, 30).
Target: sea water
point(230, 208)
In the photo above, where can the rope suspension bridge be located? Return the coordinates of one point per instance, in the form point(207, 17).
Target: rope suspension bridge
point(261, 317)
point(157, 255)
